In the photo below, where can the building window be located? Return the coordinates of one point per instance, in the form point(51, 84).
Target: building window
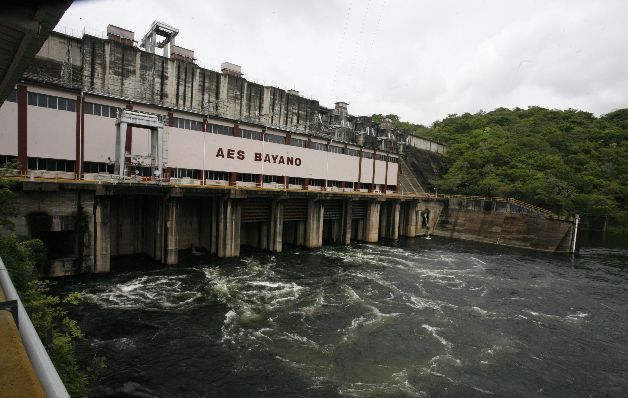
point(252, 135)
point(246, 177)
point(219, 129)
point(367, 155)
point(319, 146)
point(295, 181)
point(335, 149)
point(353, 152)
point(332, 183)
point(49, 164)
point(216, 175)
point(277, 139)
point(100, 110)
point(186, 173)
point(42, 100)
point(97, 167)
point(298, 142)
point(32, 99)
point(269, 179)
point(381, 157)
point(348, 184)
point(50, 101)
point(314, 182)
point(7, 160)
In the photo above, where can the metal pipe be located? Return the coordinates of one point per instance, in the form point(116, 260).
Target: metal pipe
point(42, 365)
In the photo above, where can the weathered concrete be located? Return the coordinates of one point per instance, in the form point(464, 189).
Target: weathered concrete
point(228, 228)
point(275, 233)
point(408, 213)
point(389, 220)
point(314, 224)
point(486, 221)
point(371, 224)
point(84, 225)
point(102, 238)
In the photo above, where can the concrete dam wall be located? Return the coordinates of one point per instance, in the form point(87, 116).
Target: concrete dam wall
point(84, 225)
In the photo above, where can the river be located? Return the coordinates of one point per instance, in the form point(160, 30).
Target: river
point(408, 318)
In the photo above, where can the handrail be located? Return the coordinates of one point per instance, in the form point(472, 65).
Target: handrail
point(42, 365)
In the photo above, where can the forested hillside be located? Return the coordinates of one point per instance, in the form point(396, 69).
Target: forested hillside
point(568, 161)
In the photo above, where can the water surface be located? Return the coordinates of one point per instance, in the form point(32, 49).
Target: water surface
point(412, 318)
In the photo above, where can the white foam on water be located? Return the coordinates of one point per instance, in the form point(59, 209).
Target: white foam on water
point(433, 331)
point(578, 316)
point(446, 359)
point(478, 389)
point(146, 292)
point(480, 311)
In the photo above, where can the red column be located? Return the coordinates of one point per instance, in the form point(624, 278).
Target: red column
point(205, 125)
point(359, 171)
point(168, 172)
point(372, 187)
point(128, 143)
point(82, 134)
point(386, 177)
point(22, 128)
point(236, 130)
point(78, 164)
point(306, 183)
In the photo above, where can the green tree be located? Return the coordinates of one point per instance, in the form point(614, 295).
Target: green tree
point(23, 259)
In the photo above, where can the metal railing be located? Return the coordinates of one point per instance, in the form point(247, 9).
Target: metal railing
point(42, 365)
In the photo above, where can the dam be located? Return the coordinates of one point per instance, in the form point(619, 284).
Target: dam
point(128, 147)
point(84, 224)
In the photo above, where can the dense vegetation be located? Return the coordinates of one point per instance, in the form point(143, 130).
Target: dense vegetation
point(23, 257)
point(568, 161)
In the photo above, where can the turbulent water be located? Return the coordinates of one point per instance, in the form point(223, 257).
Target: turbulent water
point(414, 318)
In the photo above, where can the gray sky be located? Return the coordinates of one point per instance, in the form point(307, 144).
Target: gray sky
point(421, 60)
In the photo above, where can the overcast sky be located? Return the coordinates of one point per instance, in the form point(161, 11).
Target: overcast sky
point(421, 60)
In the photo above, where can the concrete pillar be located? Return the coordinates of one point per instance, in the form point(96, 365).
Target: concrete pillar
point(228, 226)
point(371, 225)
point(172, 234)
point(102, 238)
point(408, 219)
point(314, 224)
point(345, 228)
point(213, 244)
point(275, 233)
point(389, 220)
